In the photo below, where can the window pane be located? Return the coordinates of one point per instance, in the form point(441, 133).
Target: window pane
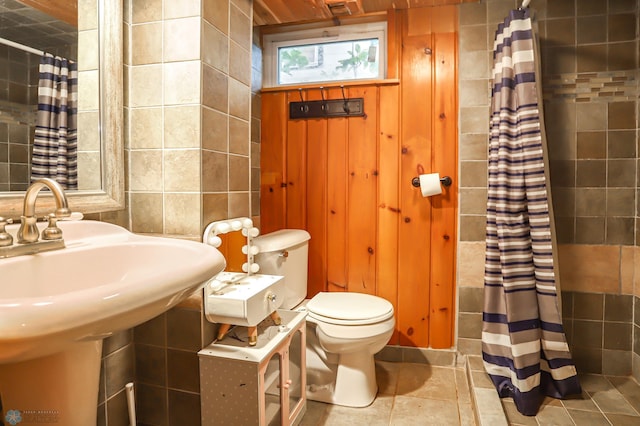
point(336, 61)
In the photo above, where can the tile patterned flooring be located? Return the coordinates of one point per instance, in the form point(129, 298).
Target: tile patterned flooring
point(605, 400)
point(408, 395)
point(422, 394)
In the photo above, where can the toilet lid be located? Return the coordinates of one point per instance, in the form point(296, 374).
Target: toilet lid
point(349, 308)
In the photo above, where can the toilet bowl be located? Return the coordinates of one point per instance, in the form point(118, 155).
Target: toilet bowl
point(354, 327)
point(345, 329)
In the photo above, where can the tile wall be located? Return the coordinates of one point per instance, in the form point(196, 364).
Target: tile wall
point(19, 94)
point(88, 97)
point(117, 370)
point(166, 366)
point(590, 77)
point(192, 116)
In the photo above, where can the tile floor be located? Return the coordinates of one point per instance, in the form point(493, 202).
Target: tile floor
point(605, 400)
point(424, 395)
point(408, 395)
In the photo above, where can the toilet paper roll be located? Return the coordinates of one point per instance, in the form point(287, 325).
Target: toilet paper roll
point(430, 184)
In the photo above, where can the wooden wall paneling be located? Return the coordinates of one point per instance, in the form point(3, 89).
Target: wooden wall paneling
point(273, 162)
point(363, 191)
point(337, 173)
point(282, 11)
point(316, 194)
point(415, 228)
point(394, 43)
point(388, 199)
point(444, 161)
point(296, 159)
point(231, 248)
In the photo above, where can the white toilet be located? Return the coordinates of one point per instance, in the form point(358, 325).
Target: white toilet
point(345, 329)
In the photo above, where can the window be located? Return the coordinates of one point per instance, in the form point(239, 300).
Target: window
point(349, 52)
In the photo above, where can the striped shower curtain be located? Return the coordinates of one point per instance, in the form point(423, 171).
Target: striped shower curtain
point(523, 342)
point(55, 143)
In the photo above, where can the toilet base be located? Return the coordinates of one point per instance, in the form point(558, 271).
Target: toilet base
point(354, 383)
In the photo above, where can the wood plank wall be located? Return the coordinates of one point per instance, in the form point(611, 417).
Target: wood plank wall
point(348, 180)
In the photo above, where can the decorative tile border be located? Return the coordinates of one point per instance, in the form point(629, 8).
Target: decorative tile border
point(592, 87)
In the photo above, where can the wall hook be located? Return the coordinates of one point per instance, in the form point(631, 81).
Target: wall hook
point(428, 51)
point(326, 108)
point(324, 105)
point(346, 102)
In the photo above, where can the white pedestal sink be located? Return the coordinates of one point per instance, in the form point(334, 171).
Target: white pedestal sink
point(57, 306)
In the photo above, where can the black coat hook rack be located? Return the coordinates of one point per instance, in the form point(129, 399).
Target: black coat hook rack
point(326, 108)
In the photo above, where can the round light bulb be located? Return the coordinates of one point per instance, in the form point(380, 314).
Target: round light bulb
point(215, 241)
point(223, 228)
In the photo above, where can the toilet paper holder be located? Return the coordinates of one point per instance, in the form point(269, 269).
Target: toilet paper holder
point(446, 181)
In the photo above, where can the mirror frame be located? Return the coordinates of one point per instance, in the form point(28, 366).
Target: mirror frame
point(111, 197)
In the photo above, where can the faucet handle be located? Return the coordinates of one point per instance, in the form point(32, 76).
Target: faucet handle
point(52, 232)
point(5, 238)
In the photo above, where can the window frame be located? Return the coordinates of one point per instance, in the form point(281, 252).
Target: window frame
point(328, 34)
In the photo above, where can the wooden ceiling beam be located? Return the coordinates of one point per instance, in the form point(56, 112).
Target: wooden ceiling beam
point(270, 12)
point(64, 10)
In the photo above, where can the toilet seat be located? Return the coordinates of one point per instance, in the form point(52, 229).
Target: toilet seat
point(350, 309)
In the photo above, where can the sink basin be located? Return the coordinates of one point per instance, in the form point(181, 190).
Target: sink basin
point(106, 279)
point(61, 304)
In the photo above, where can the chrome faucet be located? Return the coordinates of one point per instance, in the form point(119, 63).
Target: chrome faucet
point(28, 231)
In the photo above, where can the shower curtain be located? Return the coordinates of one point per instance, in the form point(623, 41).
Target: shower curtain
point(55, 143)
point(524, 348)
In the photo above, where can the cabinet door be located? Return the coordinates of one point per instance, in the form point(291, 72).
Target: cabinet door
point(273, 378)
point(296, 374)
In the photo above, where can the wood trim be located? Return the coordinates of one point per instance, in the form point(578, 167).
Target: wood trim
point(386, 82)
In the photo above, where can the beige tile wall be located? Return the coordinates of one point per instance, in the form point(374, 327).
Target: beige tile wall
point(189, 145)
point(89, 176)
point(189, 122)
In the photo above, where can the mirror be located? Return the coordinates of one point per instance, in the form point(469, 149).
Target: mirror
point(110, 101)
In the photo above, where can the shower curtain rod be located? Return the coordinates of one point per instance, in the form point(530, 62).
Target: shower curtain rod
point(21, 46)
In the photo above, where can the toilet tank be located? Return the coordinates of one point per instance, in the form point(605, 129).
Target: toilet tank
point(285, 252)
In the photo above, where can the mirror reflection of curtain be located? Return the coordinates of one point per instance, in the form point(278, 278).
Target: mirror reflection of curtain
point(55, 144)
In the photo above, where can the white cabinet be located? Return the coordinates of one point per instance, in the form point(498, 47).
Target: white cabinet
point(256, 385)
